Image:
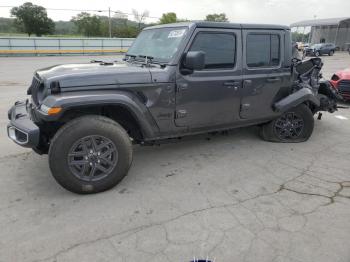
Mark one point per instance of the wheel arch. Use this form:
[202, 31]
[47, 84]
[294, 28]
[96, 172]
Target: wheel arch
[302, 96]
[124, 108]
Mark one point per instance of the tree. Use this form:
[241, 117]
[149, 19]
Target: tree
[140, 17]
[168, 18]
[300, 37]
[126, 31]
[7, 25]
[32, 19]
[216, 17]
[88, 25]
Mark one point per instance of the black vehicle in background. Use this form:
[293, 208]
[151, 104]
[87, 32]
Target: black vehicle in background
[320, 49]
[175, 80]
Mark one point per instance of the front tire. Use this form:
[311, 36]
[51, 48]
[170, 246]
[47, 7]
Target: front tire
[317, 53]
[294, 126]
[90, 154]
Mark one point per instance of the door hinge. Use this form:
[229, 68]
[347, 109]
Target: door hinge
[181, 113]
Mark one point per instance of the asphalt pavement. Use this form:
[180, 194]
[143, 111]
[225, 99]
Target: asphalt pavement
[230, 197]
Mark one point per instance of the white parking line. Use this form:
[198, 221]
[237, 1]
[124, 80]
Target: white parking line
[341, 117]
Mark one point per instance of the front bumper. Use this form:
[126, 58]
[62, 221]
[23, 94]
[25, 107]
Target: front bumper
[309, 52]
[344, 89]
[21, 129]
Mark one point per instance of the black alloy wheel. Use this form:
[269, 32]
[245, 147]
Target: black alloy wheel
[92, 158]
[289, 126]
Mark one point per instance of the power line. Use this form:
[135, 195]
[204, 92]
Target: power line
[86, 10]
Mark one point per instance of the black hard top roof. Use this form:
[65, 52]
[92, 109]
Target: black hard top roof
[205, 24]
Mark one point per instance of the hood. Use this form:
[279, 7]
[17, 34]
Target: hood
[344, 74]
[310, 48]
[95, 74]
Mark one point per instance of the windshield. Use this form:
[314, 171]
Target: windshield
[161, 44]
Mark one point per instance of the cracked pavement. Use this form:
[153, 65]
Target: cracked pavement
[231, 197]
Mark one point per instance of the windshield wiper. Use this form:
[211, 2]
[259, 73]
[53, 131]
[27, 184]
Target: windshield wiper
[128, 57]
[150, 60]
[147, 59]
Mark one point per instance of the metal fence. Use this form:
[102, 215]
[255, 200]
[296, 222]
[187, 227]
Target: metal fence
[10, 46]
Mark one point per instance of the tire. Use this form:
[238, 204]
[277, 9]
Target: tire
[273, 132]
[331, 53]
[317, 53]
[100, 144]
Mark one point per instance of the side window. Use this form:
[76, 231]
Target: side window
[219, 49]
[263, 50]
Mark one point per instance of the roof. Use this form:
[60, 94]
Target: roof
[222, 25]
[320, 22]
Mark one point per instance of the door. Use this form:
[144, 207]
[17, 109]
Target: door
[324, 49]
[263, 73]
[209, 97]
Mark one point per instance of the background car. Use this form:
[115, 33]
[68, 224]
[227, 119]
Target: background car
[320, 49]
[341, 82]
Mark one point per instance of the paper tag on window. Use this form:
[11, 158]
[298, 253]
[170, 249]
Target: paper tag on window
[176, 33]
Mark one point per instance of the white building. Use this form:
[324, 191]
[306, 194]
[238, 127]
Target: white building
[331, 30]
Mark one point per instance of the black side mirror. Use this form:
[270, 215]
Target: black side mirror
[195, 60]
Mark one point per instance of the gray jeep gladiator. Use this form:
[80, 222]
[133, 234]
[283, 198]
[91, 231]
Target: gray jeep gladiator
[175, 80]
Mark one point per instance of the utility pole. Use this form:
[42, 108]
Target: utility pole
[109, 22]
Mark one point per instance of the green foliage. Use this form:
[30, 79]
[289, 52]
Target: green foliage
[126, 31]
[88, 25]
[65, 28]
[216, 17]
[99, 26]
[7, 25]
[83, 24]
[300, 37]
[168, 18]
[32, 19]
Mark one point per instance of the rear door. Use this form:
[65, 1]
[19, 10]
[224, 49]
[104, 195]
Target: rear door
[324, 49]
[210, 97]
[263, 72]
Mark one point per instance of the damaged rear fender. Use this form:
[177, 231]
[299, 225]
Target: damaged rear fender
[301, 96]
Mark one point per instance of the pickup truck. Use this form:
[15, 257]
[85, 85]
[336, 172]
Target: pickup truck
[175, 80]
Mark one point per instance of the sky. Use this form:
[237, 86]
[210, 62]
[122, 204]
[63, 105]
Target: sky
[241, 11]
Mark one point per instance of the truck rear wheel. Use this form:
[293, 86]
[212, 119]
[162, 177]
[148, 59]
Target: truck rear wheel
[295, 125]
[90, 154]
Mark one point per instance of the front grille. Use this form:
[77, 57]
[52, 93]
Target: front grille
[35, 88]
[344, 88]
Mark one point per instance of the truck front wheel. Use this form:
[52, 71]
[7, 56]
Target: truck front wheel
[295, 125]
[90, 154]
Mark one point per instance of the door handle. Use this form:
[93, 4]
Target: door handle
[233, 83]
[247, 82]
[273, 80]
[182, 87]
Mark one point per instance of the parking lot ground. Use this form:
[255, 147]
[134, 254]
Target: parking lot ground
[231, 197]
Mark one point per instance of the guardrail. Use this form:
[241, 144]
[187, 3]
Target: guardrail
[10, 46]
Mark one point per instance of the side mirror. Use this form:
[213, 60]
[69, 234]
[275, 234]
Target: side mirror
[195, 60]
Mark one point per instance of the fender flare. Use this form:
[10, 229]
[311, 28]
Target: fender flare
[295, 99]
[72, 100]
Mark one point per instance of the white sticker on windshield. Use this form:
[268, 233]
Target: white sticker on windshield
[176, 33]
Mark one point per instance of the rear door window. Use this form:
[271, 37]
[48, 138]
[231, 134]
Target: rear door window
[263, 50]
